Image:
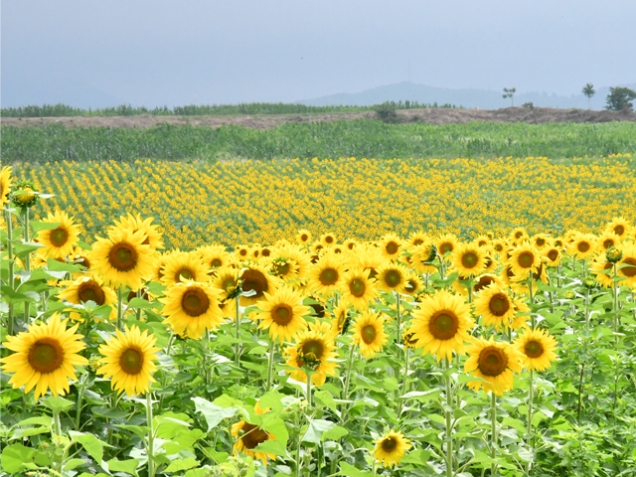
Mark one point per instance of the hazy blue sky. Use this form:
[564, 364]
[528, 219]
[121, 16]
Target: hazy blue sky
[155, 52]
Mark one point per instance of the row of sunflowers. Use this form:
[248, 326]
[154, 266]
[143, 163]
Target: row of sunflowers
[310, 356]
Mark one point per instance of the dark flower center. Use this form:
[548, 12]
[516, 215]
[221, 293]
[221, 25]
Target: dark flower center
[91, 291]
[46, 355]
[195, 302]
[533, 349]
[59, 236]
[123, 257]
[443, 325]
[499, 304]
[282, 314]
[492, 361]
[131, 361]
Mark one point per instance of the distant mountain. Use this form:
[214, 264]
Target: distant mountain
[24, 91]
[468, 98]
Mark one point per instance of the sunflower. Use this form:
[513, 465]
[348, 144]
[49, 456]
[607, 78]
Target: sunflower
[392, 277]
[326, 275]
[536, 348]
[25, 194]
[183, 266]
[5, 185]
[441, 323]
[500, 246]
[45, 357]
[390, 246]
[519, 235]
[620, 227]
[490, 263]
[418, 238]
[608, 240]
[328, 240]
[242, 252]
[358, 289]
[495, 307]
[214, 256]
[283, 314]
[79, 256]
[467, 260]
[192, 307]
[314, 350]
[493, 362]
[421, 257]
[303, 237]
[627, 266]
[391, 448]
[485, 280]
[340, 318]
[552, 255]
[248, 437]
[255, 278]
[226, 280]
[351, 244]
[408, 338]
[369, 258]
[413, 284]
[128, 359]
[583, 246]
[539, 241]
[482, 241]
[368, 332]
[60, 241]
[85, 289]
[446, 244]
[135, 223]
[600, 265]
[523, 261]
[122, 259]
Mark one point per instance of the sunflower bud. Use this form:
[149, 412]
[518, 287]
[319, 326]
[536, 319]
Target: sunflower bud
[589, 282]
[25, 194]
[613, 255]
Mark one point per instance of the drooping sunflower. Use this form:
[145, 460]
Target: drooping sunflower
[192, 307]
[493, 362]
[88, 288]
[214, 256]
[391, 246]
[135, 223]
[358, 289]
[619, 226]
[467, 259]
[340, 318]
[60, 241]
[536, 348]
[446, 244]
[441, 323]
[226, 280]
[369, 334]
[313, 350]
[122, 259]
[627, 266]
[45, 357]
[283, 314]
[325, 276]
[183, 266]
[392, 277]
[129, 360]
[391, 448]
[248, 437]
[255, 278]
[303, 237]
[495, 306]
[523, 261]
[6, 179]
[583, 246]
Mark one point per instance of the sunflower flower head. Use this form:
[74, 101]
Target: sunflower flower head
[537, 349]
[495, 363]
[369, 334]
[391, 448]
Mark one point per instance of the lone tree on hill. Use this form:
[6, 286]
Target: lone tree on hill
[509, 93]
[589, 91]
[620, 98]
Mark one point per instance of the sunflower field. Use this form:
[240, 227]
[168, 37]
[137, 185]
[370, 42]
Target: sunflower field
[219, 338]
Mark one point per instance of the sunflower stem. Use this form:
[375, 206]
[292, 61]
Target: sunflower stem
[27, 260]
[530, 410]
[151, 435]
[9, 222]
[237, 348]
[206, 366]
[616, 291]
[345, 393]
[449, 419]
[405, 378]
[399, 319]
[120, 307]
[80, 396]
[270, 366]
[494, 439]
[533, 317]
[309, 389]
[163, 376]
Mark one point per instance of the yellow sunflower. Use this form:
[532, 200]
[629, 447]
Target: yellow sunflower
[608, 240]
[552, 255]
[79, 256]
[226, 281]
[313, 350]
[493, 362]
[583, 246]
[135, 223]
[6, 179]
[519, 235]
[467, 259]
[85, 289]
[183, 266]
[328, 240]
[500, 246]
[242, 252]
[122, 259]
[495, 307]
[537, 349]
[418, 238]
[129, 360]
[248, 437]
[627, 266]
[392, 277]
[60, 241]
[192, 307]
[351, 244]
[484, 281]
[540, 241]
[214, 256]
[600, 265]
[441, 323]
[619, 226]
[326, 275]
[369, 334]
[446, 244]
[421, 257]
[340, 318]
[283, 314]
[45, 357]
[369, 258]
[303, 237]
[255, 278]
[523, 261]
[482, 241]
[413, 284]
[358, 289]
[391, 246]
[391, 448]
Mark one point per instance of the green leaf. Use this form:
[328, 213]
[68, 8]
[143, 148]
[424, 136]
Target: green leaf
[141, 431]
[46, 421]
[316, 429]
[90, 443]
[58, 404]
[36, 226]
[419, 456]
[212, 413]
[335, 433]
[271, 447]
[325, 398]
[139, 303]
[128, 466]
[56, 266]
[17, 457]
[182, 464]
[74, 463]
[350, 471]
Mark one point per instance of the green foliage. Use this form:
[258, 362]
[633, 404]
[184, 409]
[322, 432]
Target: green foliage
[387, 113]
[620, 98]
[359, 138]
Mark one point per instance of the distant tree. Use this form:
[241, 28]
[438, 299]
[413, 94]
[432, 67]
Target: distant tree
[509, 93]
[589, 91]
[386, 112]
[620, 98]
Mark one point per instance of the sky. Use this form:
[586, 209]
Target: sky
[167, 52]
